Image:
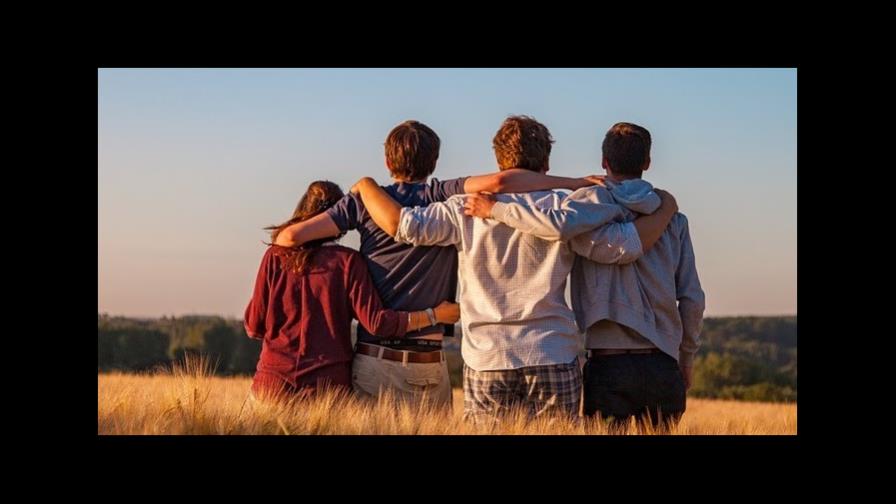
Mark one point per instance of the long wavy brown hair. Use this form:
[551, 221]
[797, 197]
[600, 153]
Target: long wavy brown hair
[321, 195]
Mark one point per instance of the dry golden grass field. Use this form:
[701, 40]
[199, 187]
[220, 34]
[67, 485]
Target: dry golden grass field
[191, 401]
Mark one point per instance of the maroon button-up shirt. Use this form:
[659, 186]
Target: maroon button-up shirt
[305, 319]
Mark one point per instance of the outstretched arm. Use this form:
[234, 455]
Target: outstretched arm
[431, 225]
[384, 322]
[651, 227]
[592, 228]
[626, 243]
[521, 180]
[575, 215]
[382, 208]
[318, 227]
[436, 224]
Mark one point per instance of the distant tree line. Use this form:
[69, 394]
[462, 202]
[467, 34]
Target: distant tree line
[747, 358]
[744, 358]
[127, 344]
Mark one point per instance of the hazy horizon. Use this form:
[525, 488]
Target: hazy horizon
[192, 164]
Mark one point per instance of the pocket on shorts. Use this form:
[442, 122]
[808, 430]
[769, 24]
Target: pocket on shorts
[423, 382]
[429, 376]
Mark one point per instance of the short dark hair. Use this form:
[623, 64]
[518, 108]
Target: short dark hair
[412, 149]
[522, 142]
[627, 148]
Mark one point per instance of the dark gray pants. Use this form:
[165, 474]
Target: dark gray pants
[648, 387]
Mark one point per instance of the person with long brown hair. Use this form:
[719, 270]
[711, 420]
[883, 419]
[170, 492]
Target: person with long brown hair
[304, 300]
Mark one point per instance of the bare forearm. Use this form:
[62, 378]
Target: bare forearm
[384, 210]
[417, 320]
[651, 227]
[573, 218]
[520, 180]
[316, 228]
[445, 313]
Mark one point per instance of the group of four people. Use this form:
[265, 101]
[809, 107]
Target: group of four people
[508, 240]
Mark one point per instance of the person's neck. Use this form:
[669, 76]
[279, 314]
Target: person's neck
[621, 178]
[404, 181]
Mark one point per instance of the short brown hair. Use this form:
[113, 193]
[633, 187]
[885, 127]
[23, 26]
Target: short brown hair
[627, 148]
[412, 149]
[522, 142]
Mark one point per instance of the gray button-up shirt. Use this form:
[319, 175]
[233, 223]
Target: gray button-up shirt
[511, 284]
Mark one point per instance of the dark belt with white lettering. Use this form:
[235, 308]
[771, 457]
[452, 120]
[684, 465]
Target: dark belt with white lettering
[600, 352]
[408, 342]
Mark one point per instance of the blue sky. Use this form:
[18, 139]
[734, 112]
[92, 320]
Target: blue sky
[194, 162]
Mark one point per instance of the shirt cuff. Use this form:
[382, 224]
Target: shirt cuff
[338, 219]
[404, 223]
[499, 210]
[632, 246]
[404, 319]
[252, 334]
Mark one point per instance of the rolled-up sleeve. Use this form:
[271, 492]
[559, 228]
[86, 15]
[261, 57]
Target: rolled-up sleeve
[435, 224]
[616, 243]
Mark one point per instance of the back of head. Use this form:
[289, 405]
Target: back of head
[626, 149]
[320, 196]
[522, 142]
[412, 149]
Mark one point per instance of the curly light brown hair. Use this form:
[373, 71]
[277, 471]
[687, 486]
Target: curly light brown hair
[522, 142]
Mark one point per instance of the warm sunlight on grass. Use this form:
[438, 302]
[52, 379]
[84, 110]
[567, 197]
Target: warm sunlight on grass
[190, 400]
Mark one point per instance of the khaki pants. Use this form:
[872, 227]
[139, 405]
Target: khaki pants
[413, 382]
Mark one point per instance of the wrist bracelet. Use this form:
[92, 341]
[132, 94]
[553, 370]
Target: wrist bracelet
[432, 316]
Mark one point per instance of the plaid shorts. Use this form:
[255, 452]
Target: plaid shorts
[554, 389]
